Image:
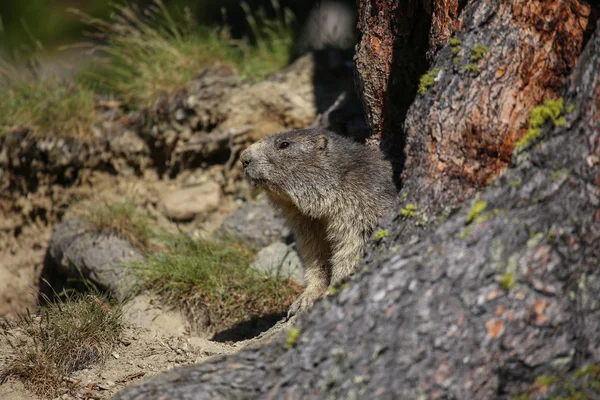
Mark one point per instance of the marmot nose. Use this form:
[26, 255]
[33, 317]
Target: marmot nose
[245, 159]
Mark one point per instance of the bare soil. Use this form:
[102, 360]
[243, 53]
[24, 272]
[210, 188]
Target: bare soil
[156, 338]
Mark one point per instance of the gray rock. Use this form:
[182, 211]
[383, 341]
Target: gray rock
[77, 250]
[257, 223]
[185, 204]
[279, 260]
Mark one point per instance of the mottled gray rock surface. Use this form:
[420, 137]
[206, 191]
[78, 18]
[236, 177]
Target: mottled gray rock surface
[257, 222]
[77, 250]
[502, 298]
[280, 260]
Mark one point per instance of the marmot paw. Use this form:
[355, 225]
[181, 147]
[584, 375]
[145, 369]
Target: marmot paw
[303, 303]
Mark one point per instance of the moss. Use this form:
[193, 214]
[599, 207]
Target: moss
[408, 211]
[381, 233]
[471, 68]
[516, 182]
[292, 336]
[332, 290]
[455, 50]
[456, 60]
[551, 235]
[466, 232]
[445, 214]
[522, 396]
[507, 281]
[546, 380]
[556, 174]
[345, 286]
[570, 108]
[476, 209]
[550, 110]
[404, 195]
[590, 369]
[595, 384]
[477, 52]
[427, 80]
[454, 42]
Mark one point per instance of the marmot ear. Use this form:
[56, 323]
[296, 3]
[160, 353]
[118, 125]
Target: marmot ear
[321, 142]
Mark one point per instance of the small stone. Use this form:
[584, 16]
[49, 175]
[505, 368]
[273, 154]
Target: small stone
[279, 260]
[115, 355]
[185, 204]
[179, 115]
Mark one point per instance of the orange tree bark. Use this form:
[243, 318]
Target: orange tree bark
[462, 133]
[500, 300]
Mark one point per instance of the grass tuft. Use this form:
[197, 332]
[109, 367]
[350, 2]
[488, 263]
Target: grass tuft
[217, 276]
[44, 104]
[63, 337]
[120, 218]
[153, 52]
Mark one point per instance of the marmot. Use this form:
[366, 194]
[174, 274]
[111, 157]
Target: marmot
[331, 190]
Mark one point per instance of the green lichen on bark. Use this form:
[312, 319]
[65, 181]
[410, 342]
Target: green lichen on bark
[408, 211]
[507, 281]
[478, 51]
[471, 68]
[476, 209]
[292, 337]
[380, 234]
[550, 110]
[427, 80]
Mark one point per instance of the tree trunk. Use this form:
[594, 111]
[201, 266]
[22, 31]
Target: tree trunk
[501, 298]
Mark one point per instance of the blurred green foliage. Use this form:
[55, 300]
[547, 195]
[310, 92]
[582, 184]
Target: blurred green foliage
[34, 25]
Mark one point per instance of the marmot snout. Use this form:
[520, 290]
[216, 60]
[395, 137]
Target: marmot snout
[331, 190]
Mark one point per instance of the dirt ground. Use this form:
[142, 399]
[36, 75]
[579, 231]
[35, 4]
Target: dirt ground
[155, 339]
[141, 353]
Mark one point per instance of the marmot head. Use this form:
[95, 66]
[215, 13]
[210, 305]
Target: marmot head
[287, 161]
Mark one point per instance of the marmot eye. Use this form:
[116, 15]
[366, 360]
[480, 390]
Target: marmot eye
[284, 145]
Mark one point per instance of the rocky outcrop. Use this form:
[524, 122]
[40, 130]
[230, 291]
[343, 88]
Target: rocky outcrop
[500, 300]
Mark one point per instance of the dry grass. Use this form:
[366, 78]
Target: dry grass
[145, 54]
[63, 337]
[149, 53]
[217, 276]
[44, 105]
[121, 218]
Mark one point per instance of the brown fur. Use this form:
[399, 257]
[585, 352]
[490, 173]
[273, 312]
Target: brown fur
[331, 190]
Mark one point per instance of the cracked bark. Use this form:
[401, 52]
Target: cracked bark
[485, 304]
